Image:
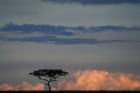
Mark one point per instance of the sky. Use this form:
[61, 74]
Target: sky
[100, 38]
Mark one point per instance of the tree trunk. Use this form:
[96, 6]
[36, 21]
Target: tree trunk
[49, 86]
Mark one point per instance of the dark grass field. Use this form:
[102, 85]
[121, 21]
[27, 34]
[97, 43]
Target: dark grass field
[70, 91]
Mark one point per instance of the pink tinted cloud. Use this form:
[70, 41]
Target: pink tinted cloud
[85, 80]
[100, 80]
[24, 86]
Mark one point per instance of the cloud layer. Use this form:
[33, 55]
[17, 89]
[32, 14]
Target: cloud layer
[88, 79]
[95, 2]
[65, 35]
[24, 86]
[114, 48]
[107, 12]
[100, 80]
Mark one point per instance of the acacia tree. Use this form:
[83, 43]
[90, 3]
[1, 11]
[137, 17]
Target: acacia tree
[49, 75]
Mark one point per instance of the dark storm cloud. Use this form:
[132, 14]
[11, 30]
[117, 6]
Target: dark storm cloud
[95, 2]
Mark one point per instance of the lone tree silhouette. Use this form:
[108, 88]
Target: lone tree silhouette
[49, 75]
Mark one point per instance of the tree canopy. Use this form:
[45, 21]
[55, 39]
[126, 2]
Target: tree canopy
[49, 75]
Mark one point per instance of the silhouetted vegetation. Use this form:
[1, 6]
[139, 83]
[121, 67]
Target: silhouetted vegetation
[49, 75]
